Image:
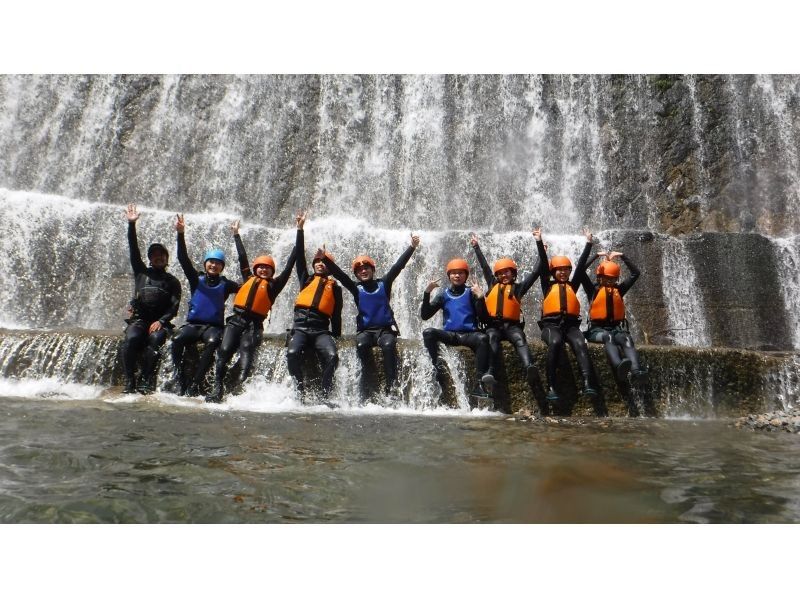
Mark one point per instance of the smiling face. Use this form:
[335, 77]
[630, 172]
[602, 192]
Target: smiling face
[263, 271]
[457, 277]
[506, 275]
[214, 267]
[364, 272]
[562, 274]
[320, 269]
[158, 259]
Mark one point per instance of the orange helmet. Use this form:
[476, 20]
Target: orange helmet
[503, 263]
[363, 260]
[264, 260]
[560, 261]
[608, 268]
[457, 264]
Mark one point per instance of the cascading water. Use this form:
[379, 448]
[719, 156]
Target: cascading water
[375, 158]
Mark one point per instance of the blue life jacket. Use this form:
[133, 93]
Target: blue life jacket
[207, 304]
[373, 308]
[459, 314]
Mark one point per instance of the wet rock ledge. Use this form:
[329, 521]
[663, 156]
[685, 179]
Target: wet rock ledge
[775, 421]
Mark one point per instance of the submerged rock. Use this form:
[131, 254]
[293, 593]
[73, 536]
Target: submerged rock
[784, 420]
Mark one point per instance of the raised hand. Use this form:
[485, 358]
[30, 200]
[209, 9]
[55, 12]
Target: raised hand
[602, 253]
[180, 223]
[300, 219]
[537, 233]
[414, 240]
[432, 285]
[588, 234]
[473, 239]
[615, 254]
[476, 288]
[235, 227]
[132, 213]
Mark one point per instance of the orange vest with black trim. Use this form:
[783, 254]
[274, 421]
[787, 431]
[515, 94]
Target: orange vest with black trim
[253, 296]
[502, 303]
[607, 305]
[318, 294]
[561, 300]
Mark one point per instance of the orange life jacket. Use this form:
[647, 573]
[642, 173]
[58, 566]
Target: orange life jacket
[318, 294]
[502, 303]
[253, 296]
[561, 300]
[607, 305]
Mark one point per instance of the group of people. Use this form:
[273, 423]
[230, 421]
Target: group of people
[472, 317]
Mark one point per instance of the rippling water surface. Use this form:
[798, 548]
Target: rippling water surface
[156, 460]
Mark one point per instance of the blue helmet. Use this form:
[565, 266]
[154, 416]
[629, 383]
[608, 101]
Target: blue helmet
[214, 254]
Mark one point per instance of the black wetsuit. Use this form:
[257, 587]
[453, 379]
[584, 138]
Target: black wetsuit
[157, 296]
[475, 339]
[499, 329]
[613, 335]
[367, 336]
[244, 328]
[198, 328]
[311, 328]
[557, 328]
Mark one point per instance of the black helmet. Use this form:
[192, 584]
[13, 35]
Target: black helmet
[156, 247]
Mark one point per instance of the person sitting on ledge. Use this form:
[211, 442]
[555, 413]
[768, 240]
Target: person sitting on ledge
[156, 299]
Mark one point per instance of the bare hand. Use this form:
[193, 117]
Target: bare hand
[602, 253]
[432, 285]
[132, 213]
[414, 240]
[473, 239]
[537, 233]
[235, 227]
[588, 234]
[477, 290]
[155, 327]
[180, 223]
[615, 254]
[300, 219]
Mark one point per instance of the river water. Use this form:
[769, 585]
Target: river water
[110, 458]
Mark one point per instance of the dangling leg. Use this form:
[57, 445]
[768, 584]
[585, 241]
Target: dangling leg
[624, 340]
[554, 339]
[251, 340]
[329, 359]
[187, 335]
[578, 343]
[135, 339]
[387, 341]
[516, 335]
[152, 356]
[212, 338]
[294, 355]
[230, 342]
[365, 340]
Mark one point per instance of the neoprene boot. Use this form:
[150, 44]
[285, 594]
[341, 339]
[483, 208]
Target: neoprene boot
[130, 386]
[215, 396]
[488, 383]
[622, 370]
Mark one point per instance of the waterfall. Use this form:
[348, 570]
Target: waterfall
[787, 252]
[687, 324]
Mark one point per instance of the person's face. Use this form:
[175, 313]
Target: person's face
[364, 272]
[158, 259]
[214, 267]
[457, 277]
[263, 271]
[506, 276]
[607, 281]
[320, 268]
[562, 274]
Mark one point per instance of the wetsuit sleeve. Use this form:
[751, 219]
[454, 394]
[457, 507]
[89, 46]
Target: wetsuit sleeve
[336, 317]
[634, 276]
[133, 245]
[588, 288]
[300, 258]
[580, 268]
[277, 284]
[231, 287]
[544, 272]
[527, 282]
[395, 270]
[429, 308]
[487, 270]
[244, 262]
[175, 302]
[480, 308]
[186, 263]
[340, 275]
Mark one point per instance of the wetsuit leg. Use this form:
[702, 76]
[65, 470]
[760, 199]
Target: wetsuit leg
[479, 343]
[624, 340]
[132, 345]
[294, 355]
[230, 342]
[553, 337]
[612, 352]
[187, 335]
[251, 340]
[516, 336]
[495, 335]
[387, 341]
[431, 337]
[152, 355]
[212, 338]
[329, 359]
[578, 343]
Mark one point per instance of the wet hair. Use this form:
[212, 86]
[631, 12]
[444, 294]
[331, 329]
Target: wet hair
[156, 247]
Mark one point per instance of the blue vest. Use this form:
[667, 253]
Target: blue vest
[207, 304]
[459, 314]
[373, 308]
